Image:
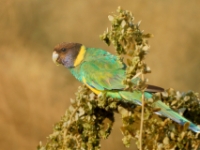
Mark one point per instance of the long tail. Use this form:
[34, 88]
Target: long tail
[166, 111]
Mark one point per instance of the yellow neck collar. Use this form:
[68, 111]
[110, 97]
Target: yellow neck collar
[80, 56]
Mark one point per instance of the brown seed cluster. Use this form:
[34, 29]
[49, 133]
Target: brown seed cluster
[90, 118]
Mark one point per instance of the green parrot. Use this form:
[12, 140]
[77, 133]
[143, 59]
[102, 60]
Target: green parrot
[103, 72]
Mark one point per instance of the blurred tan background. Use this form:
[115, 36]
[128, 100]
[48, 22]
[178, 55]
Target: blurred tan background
[34, 93]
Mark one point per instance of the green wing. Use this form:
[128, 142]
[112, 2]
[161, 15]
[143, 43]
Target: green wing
[102, 70]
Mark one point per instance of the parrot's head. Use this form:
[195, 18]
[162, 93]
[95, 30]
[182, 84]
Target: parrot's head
[68, 54]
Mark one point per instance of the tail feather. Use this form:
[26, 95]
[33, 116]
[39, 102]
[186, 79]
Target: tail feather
[166, 111]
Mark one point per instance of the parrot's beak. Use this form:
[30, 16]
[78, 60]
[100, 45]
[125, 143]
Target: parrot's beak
[55, 57]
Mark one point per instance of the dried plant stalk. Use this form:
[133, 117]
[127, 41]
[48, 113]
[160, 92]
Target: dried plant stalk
[90, 117]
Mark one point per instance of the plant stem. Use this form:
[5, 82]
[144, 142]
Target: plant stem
[142, 115]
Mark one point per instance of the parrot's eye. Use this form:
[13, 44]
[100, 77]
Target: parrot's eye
[63, 49]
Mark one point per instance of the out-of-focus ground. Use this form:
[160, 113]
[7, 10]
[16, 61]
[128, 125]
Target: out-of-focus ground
[34, 93]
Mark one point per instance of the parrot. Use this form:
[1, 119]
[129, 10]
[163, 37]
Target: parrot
[102, 71]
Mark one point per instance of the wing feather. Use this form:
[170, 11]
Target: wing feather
[104, 71]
